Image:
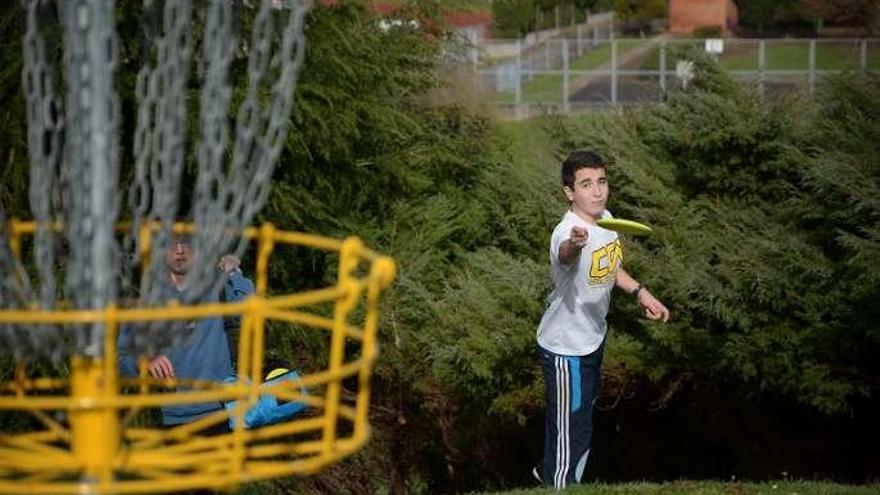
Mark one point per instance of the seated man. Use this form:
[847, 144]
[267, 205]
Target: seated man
[203, 354]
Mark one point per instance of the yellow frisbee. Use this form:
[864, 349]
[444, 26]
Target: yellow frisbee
[624, 226]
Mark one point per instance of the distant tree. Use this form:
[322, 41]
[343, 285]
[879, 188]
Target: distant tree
[593, 5]
[857, 13]
[602, 5]
[513, 18]
[640, 10]
[761, 14]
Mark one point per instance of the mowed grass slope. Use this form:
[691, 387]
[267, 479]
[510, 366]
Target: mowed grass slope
[709, 488]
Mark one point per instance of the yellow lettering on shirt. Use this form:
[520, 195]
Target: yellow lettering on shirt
[605, 262]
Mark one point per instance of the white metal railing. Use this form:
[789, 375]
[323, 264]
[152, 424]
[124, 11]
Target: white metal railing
[586, 71]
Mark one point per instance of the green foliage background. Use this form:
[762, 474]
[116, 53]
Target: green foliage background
[766, 248]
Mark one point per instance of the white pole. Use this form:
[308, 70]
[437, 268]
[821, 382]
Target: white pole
[565, 75]
[580, 45]
[614, 71]
[547, 55]
[611, 27]
[517, 91]
[863, 55]
[663, 67]
[812, 62]
[762, 57]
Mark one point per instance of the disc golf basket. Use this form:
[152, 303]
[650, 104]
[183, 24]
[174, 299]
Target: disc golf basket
[77, 273]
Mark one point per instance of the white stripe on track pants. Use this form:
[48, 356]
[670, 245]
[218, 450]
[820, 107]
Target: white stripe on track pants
[570, 384]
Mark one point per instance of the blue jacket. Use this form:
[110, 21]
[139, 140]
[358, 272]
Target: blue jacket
[203, 356]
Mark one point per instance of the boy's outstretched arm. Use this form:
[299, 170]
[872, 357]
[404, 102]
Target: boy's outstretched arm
[654, 309]
[571, 247]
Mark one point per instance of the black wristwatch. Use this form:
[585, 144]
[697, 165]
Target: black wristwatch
[636, 291]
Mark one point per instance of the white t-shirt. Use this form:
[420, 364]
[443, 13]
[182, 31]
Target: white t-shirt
[574, 322]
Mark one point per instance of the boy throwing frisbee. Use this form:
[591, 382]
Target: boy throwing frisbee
[586, 264]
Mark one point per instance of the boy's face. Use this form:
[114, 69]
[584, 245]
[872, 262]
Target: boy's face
[589, 193]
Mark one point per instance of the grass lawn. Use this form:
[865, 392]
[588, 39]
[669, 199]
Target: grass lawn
[709, 488]
[547, 88]
[790, 56]
[784, 55]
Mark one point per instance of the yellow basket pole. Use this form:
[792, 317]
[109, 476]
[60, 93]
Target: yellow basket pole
[257, 309]
[95, 430]
[15, 238]
[267, 245]
[348, 260]
[145, 243]
[16, 228]
[20, 378]
[381, 276]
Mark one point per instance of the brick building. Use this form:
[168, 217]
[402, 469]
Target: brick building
[687, 15]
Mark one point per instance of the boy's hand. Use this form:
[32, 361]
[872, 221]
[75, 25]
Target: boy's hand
[578, 236]
[654, 309]
[571, 248]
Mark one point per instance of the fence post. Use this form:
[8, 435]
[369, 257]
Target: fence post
[531, 60]
[475, 52]
[580, 46]
[565, 75]
[595, 29]
[663, 67]
[614, 71]
[863, 55]
[556, 13]
[812, 66]
[547, 54]
[611, 26]
[761, 63]
[517, 89]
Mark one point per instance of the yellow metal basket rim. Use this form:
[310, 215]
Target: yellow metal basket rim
[251, 451]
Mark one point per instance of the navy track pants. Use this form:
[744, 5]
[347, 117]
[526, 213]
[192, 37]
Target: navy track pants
[571, 384]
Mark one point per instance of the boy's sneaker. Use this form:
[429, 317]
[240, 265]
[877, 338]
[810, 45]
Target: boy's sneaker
[536, 473]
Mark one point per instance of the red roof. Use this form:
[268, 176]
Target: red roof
[457, 19]
[463, 18]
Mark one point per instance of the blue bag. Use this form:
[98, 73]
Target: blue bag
[268, 410]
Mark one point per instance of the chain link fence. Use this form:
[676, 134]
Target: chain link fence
[579, 73]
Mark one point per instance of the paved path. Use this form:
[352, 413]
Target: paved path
[631, 59]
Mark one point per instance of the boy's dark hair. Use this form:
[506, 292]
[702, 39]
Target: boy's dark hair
[577, 160]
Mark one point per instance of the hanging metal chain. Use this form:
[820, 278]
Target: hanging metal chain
[15, 293]
[45, 126]
[91, 160]
[75, 155]
[228, 195]
[160, 150]
[44, 146]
